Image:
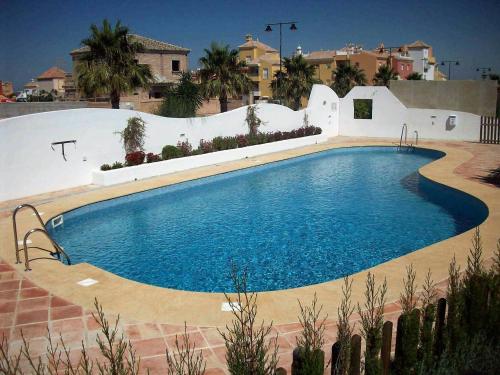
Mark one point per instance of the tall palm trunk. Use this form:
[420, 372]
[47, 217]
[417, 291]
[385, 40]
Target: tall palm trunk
[223, 103]
[115, 99]
[296, 104]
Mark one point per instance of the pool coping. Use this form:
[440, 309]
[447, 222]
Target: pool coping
[143, 302]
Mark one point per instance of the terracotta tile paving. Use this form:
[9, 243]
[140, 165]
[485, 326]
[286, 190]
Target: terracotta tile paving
[25, 308]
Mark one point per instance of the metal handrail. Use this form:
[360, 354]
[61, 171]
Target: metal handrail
[14, 224]
[58, 248]
[405, 130]
[416, 137]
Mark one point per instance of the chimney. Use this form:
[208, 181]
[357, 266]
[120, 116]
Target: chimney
[248, 38]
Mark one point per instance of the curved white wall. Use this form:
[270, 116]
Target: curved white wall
[29, 166]
[389, 114]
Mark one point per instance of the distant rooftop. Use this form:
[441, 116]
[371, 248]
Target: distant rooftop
[148, 43]
[320, 55]
[53, 73]
[418, 44]
[250, 43]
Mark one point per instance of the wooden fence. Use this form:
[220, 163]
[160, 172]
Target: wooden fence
[490, 130]
[355, 368]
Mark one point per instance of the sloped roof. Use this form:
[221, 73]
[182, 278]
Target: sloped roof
[418, 44]
[148, 43]
[321, 55]
[256, 44]
[52, 73]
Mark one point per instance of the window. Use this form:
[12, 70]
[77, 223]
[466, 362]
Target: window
[363, 108]
[176, 66]
[265, 73]
[248, 58]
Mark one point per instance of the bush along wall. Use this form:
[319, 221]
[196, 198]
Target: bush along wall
[184, 148]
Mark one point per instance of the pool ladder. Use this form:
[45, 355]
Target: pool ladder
[58, 250]
[405, 145]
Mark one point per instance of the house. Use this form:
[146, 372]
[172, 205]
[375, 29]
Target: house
[423, 60]
[263, 62]
[324, 62]
[6, 88]
[52, 80]
[167, 62]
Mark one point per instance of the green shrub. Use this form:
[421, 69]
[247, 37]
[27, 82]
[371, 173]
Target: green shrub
[170, 152]
[105, 167]
[117, 165]
[133, 135]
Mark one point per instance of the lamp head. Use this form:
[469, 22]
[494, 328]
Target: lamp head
[457, 63]
[293, 27]
[268, 28]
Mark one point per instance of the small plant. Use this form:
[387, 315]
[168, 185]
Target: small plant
[105, 167]
[428, 298]
[241, 140]
[206, 146]
[344, 328]
[170, 152]
[408, 327]
[135, 158]
[253, 121]
[311, 358]
[305, 120]
[117, 165]
[152, 158]
[185, 148]
[133, 135]
[372, 322]
[185, 360]
[248, 351]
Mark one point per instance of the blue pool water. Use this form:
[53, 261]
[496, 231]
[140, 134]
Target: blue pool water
[293, 223]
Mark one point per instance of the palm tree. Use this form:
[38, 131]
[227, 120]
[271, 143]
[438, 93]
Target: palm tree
[223, 74]
[415, 76]
[109, 64]
[384, 75]
[295, 82]
[183, 99]
[345, 77]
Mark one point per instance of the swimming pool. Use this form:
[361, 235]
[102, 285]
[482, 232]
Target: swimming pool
[292, 223]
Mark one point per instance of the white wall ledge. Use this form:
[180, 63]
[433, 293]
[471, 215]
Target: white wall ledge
[139, 172]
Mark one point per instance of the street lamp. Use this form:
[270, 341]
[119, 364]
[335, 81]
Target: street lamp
[483, 72]
[293, 27]
[382, 49]
[449, 62]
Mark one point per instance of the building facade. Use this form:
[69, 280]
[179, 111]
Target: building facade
[6, 88]
[423, 59]
[263, 62]
[167, 61]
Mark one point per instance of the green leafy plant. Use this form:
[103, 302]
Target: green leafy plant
[117, 165]
[133, 135]
[182, 99]
[248, 352]
[345, 77]
[170, 152]
[344, 328]
[105, 167]
[310, 342]
[185, 359]
[252, 120]
[372, 322]
[428, 298]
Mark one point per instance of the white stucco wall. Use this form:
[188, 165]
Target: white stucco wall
[389, 115]
[29, 166]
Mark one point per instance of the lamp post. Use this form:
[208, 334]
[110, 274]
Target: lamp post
[449, 62]
[293, 27]
[382, 49]
[483, 72]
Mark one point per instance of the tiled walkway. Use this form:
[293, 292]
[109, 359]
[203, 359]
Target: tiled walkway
[24, 307]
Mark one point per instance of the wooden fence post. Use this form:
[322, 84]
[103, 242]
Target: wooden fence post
[335, 358]
[439, 328]
[386, 347]
[355, 363]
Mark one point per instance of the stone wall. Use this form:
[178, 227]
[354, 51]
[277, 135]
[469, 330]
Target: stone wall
[20, 109]
[478, 97]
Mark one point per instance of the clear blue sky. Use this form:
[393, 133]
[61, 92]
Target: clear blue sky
[36, 35]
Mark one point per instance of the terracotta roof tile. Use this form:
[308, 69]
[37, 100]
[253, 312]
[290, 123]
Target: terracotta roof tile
[418, 44]
[52, 73]
[257, 44]
[321, 55]
[148, 43]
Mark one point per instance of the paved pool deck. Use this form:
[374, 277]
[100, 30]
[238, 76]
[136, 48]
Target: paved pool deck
[48, 296]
